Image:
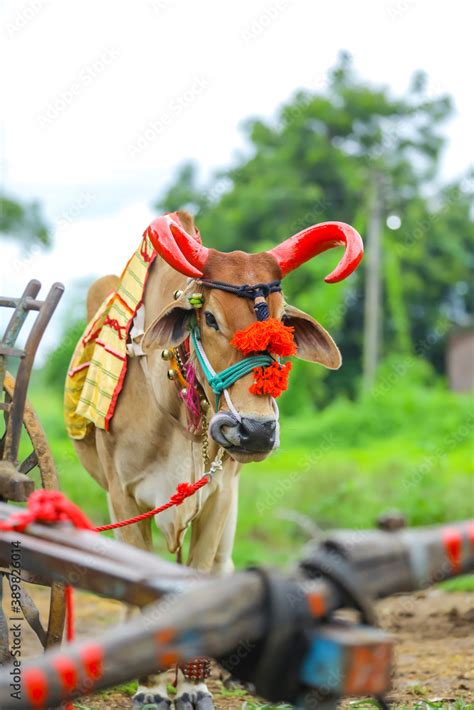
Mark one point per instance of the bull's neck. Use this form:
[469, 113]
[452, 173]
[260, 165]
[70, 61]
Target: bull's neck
[163, 282]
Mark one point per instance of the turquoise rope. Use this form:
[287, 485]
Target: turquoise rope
[222, 380]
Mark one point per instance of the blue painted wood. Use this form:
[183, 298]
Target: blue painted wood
[323, 665]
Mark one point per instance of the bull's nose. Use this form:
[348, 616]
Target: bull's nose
[252, 434]
[257, 434]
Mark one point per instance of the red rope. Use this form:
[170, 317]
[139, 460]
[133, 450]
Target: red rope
[69, 597]
[53, 507]
[183, 491]
[47, 507]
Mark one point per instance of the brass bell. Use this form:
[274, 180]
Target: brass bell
[184, 392]
[166, 354]
[177, 294]
[204, 404]
[171, 374]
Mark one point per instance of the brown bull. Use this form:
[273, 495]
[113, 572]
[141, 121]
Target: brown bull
[149, 449]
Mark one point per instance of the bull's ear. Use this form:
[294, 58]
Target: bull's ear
[170, 328]
[312, 341]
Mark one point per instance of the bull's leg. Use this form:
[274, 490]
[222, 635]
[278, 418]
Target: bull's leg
[192, 693]
[154, 697]
[122, 507]
[152, 692]
[212, 525]
[223, 563]
[212, 537]
[138, 534]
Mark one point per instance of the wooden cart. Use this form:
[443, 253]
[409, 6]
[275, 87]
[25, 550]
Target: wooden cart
[23, 444]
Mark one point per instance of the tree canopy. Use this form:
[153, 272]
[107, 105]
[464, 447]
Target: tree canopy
[23, 221]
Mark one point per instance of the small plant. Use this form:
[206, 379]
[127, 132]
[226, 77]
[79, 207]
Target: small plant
[234, 693]
[255, 705]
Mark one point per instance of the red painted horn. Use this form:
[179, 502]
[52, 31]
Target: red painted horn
[183, 252]
[312, 241]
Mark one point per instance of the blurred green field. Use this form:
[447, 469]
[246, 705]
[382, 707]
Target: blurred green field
[407, 446]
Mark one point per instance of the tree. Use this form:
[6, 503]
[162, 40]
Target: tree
[314, 162]
[23, 221]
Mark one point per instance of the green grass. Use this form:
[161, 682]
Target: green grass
[418, 705]
[459, 584]
[410, 449]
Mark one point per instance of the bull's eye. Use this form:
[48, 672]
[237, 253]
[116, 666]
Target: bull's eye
[210, 320]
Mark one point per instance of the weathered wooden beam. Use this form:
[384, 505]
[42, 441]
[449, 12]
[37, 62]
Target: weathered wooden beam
[6, 351]
[403, 560]
[179, 628]
[45, 312]
[13, 484]
[5, 656]
[228, 617]
[385, 562]
[91, 561]
[29, 609]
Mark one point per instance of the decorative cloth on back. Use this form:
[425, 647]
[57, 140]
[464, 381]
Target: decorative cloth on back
[99, 364]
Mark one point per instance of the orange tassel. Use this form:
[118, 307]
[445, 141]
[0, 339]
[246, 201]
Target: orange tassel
[271, 380]
[270, 335]
[273, 337]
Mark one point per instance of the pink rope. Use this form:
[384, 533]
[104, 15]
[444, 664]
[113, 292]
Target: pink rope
[191, 397]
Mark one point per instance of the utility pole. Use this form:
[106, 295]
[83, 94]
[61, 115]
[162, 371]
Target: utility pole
[373, 290]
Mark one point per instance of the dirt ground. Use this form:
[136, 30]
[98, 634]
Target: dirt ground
[434, 649]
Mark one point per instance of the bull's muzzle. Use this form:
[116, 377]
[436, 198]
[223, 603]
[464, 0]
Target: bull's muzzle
[250, 435]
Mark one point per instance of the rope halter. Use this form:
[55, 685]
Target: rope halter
[220, 382]
[267, 336]
[257, 293]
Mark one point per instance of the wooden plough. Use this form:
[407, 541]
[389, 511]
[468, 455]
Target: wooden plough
[276, 630]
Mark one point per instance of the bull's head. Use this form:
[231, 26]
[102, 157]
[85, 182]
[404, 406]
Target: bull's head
[238, 290]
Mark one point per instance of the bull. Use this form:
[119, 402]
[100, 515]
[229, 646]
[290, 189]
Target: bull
[149, 448]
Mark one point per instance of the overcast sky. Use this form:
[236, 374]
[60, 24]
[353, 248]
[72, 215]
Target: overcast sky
[103, 99]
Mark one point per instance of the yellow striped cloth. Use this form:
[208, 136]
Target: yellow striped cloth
[99, 364]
